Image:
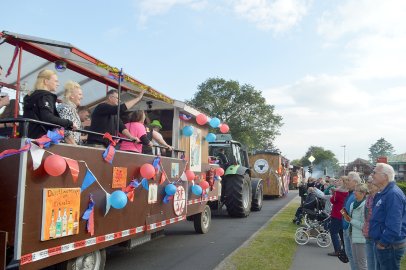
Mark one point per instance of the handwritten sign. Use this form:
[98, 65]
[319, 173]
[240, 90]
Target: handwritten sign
[60, 212]
[119, 177]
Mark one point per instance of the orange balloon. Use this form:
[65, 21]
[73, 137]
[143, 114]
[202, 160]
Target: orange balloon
[147, 171]
[55, 165]
[190, 175]
[219, 171]
[224, 128]
[201, 119]
[204, 185]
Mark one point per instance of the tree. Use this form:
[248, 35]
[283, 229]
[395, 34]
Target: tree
[252, 122]
[324, 159]
[379, 149]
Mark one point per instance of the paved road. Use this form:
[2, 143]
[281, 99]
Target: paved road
[181, 248]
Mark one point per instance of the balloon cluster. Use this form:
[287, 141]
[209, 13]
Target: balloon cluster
[202, 119]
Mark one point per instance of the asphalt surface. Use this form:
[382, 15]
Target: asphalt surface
[181, 248]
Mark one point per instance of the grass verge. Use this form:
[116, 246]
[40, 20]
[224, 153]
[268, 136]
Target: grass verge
[272, 248]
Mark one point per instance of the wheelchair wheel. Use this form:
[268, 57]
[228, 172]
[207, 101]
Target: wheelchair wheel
[323, 240]
[301, 237]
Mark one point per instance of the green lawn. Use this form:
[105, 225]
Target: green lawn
[272, 248]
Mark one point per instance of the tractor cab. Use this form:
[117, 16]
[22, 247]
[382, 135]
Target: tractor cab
[225, 152]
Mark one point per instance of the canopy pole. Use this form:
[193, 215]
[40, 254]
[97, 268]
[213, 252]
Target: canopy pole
[120, 76]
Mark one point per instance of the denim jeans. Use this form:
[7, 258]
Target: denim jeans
[335, 226]
[389, 258]
[348, 250]
[370, 252]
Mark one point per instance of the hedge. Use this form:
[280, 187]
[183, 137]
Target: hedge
[402, 186]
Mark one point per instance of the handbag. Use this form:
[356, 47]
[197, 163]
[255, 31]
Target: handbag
[342, 256]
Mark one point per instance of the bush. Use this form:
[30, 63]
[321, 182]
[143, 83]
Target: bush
[402, 186]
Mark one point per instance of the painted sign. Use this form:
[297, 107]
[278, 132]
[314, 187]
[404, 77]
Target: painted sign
[60, 212]
[179, 201]
[119, 177]
[196, 150]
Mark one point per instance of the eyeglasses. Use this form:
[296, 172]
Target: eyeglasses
[114, 97]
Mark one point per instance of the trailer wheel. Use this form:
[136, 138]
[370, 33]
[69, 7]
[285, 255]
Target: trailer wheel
[202, 221]
[257, 199]
[238, 194]
[91, 261]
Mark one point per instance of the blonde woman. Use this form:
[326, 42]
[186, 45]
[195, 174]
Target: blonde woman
[69, 110]
[40, 105]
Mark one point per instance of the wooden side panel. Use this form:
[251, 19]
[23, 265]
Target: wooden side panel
[272, 180]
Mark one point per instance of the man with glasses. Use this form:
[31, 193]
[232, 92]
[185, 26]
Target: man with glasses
[105, 119]
[387, 226]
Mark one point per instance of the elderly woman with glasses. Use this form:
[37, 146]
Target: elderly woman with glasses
[356, 218]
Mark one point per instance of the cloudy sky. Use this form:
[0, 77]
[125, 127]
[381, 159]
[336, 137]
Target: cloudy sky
[335, 70]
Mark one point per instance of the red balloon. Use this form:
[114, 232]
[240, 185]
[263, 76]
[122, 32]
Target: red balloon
[224, 128]
[190, 175]
[204, 185]
[55, 165]
[201, 119]
[147, 171]
[219, 171]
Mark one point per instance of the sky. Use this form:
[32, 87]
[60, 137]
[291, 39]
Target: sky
[334, 70]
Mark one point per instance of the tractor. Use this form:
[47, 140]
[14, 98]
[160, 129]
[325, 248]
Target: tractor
[239, 192]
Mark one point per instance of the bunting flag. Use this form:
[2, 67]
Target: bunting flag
[52, 136]
[163, 177]
[185, 117]
[115, 76]
[108, 154]
[74, 168]
[89, 179]
[10, 152]
[183, 176]
[129, 190]
[89, 216]
[157, 164]
[108, 204]
[144, 183]
[36, 154]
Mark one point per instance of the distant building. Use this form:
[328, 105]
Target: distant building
[398, 162]
[362, 166]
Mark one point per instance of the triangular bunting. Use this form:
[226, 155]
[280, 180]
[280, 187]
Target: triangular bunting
[109, 153]
[108, 204]
[89, 179]
[74, 168]
[183, 177]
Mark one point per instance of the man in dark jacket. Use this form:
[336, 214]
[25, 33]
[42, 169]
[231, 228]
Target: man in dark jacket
[105, 119]
[387, 226]
[40, 105]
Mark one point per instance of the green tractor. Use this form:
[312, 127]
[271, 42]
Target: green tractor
[239, 192]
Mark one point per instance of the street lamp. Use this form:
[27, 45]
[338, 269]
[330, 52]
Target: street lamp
[343, 146]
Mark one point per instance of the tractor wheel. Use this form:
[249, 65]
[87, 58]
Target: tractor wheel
[257, 199]
[238, 194]
[202, 221]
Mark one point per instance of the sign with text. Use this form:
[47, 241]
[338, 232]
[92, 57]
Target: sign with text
[60, 212]
[119, 177]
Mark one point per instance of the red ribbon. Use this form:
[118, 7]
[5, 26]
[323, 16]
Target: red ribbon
[108, 137]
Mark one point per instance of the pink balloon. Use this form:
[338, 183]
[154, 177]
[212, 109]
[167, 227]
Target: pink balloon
[147, 171]
[219, 171]
[204, 184]
[224, 128]
[201, 119]
[55, 165]
[190, 175]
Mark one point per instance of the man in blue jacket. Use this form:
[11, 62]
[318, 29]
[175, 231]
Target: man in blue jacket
[387, 226]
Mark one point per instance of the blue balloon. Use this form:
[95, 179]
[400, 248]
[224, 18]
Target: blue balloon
[211, 137]
[197, 190]
[214, 122]
[187, 131]
[118, 199]
[170, 189]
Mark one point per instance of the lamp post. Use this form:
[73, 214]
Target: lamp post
[343, 146]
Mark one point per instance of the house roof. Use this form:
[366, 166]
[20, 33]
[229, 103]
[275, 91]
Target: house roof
[397, 158]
